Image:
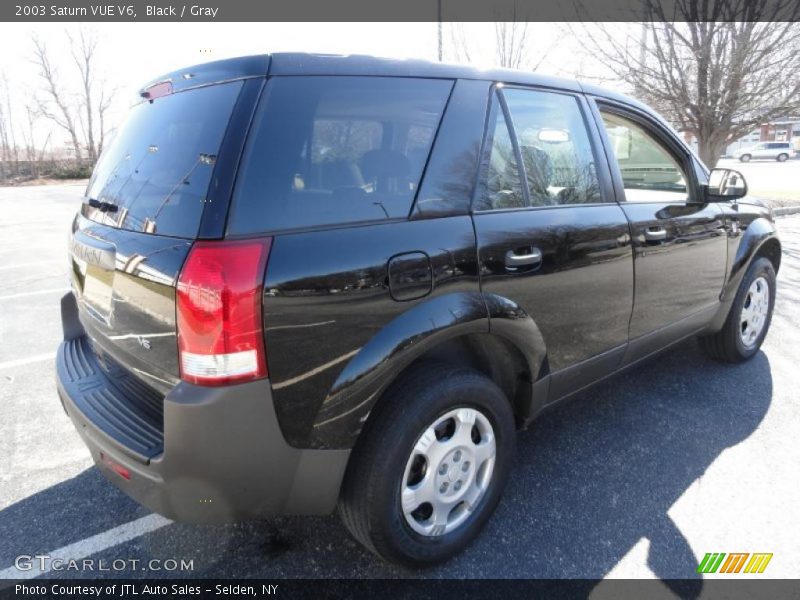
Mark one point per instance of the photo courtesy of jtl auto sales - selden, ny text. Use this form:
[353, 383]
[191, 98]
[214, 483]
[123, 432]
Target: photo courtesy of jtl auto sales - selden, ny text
[368, 299]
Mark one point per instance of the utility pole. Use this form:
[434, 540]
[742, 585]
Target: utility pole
[642, 54]
[643, 45]
[439, 26]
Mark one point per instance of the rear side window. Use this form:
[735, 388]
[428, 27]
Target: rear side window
[554, 144]
[502, 187]
[332, 150]
[155, 175]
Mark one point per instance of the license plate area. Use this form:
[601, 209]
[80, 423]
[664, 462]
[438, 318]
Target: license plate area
[93, 266]
[97, 292]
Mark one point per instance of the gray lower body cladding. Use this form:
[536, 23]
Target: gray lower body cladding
[221, 456]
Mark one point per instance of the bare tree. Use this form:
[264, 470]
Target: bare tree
[94, 98]
[715, 68]
[55, 106]
[5, 149]
[9, 153]
[33, 154]
[103, 105]
[511, 40]
[512, 47]
[459, 45]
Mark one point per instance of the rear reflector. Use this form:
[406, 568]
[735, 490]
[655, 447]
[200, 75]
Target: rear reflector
[115, 466]
[220, 331]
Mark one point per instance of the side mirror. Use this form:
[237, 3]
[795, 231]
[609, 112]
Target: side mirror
[725, 184]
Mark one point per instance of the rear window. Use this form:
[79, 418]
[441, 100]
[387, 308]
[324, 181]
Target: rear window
[330, 150]
[156, 174]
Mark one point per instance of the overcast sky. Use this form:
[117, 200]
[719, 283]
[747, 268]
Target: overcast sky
[133, 53]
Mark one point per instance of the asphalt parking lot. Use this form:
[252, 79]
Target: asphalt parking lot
[638, 478]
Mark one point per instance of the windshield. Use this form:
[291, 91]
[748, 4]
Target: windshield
[156, 174]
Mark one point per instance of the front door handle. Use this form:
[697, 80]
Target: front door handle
[655, 234]
[532, 257]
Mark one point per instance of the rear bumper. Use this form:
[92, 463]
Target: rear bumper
[223, 457]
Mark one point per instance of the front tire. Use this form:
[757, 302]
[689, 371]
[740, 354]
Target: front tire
[749, 318]
[745, 158]
[782, 157]
[430, 465]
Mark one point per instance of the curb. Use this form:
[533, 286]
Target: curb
[782, 211]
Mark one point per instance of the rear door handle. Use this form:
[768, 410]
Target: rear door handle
[531, 258]
[655, 234]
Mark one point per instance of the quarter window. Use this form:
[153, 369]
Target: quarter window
[649, 171]
[332, 150]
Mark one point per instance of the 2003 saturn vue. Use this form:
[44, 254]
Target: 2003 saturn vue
[306, 282]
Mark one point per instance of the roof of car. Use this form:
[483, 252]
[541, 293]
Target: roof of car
[296, 63]
[331, 64]
[293, 63]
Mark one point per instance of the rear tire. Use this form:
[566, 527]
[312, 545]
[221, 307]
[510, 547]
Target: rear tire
[745, 158]
[416, 494]
[749, 318]
[782, 157]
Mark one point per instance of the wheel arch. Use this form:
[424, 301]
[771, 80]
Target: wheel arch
[483, 331]
[770, 249]
[760, 239]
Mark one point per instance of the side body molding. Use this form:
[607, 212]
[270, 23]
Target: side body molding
[408, 336]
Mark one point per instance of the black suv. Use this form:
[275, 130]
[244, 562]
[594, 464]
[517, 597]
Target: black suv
[306, 282]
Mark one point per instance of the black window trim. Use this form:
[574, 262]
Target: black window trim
[662, 134]
[431, 149]
[603, 170]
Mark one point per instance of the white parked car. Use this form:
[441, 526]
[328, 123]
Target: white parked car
[779, 151]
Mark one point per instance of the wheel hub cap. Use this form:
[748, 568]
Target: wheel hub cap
[448, 472]
[754, 312]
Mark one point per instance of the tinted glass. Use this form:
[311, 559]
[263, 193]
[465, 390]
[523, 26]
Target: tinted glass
[501, 187]
[331, 150]
[157, 171]
[649, 171]
[555, 147]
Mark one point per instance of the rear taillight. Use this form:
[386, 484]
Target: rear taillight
[220, 331]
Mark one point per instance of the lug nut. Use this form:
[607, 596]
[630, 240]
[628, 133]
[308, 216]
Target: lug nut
[465, 466]
[457, 486]
[443, 469]
[457, 456]
[443, 489]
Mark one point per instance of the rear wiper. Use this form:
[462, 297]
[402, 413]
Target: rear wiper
[103, 206]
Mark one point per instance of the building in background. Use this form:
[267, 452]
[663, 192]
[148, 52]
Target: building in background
[783, 129]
